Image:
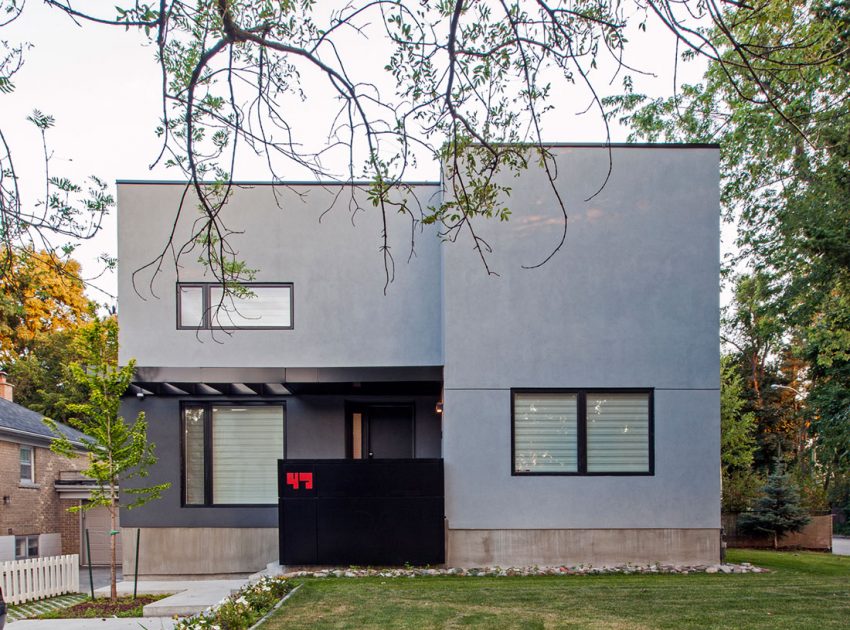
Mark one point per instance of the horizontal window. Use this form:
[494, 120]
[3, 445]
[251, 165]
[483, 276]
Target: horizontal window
[582, 432]
[205, 305]
[230, 454]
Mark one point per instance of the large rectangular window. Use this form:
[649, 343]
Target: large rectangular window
[230, 453]
[263, 306]
[582, 432]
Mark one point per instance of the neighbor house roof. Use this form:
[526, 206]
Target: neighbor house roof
[21, 422]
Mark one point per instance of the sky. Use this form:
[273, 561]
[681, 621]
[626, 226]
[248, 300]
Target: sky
[101, 84]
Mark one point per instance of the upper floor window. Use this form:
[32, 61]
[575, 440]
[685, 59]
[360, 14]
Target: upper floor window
[582, 432]
[27, 464]
[205, 305]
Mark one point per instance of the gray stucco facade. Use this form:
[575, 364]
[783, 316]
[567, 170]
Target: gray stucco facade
[629, 302]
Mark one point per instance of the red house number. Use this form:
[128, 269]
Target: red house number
[294, 479]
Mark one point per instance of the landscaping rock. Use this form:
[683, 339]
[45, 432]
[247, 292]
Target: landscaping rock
[628, 569]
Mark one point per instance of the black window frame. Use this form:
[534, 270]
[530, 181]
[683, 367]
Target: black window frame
[207, 406]
[206, 290]
[581, 430]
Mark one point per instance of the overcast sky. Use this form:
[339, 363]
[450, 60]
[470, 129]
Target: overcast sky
[102, 86]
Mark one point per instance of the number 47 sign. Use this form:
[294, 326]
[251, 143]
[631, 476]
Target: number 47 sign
[295, 479]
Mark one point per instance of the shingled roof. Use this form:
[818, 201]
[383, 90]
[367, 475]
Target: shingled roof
[19, 421]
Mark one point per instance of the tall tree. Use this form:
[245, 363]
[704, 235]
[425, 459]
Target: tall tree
[117, 450]
[737, 440]
[786, 181]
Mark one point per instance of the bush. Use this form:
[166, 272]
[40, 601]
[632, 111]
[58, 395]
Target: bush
[741, 488]
[242, 610]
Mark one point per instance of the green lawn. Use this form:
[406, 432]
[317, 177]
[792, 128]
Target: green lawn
[803, 590]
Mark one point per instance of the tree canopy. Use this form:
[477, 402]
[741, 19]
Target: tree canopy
[42, 295]
[785, 183]
[468, 82]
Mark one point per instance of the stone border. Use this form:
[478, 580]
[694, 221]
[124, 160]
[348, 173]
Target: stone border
[673, 569]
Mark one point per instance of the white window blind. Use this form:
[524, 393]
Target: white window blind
[267, 307]
[192, 307]
[193, 457]
[545, 432]
[617, 432]
[246, 444]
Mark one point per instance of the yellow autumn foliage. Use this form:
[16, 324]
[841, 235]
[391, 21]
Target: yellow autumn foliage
[40, 294]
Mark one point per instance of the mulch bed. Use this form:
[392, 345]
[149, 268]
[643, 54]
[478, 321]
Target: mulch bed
[103, 607]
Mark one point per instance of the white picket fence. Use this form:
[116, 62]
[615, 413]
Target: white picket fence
[37, 578]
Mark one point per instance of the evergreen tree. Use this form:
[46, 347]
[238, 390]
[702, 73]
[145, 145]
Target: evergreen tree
[778, 512]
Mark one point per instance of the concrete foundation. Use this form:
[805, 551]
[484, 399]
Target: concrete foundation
[599, 547]
[173, 552]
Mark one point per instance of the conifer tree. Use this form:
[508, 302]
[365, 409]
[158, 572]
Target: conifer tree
[778, 511]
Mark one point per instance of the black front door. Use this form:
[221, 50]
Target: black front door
[382, 431]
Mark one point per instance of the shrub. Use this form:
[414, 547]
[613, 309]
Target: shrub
[242, 610]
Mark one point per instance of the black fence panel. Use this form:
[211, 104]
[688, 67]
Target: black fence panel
[363, 512]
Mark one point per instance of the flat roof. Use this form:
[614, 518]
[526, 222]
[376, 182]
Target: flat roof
[240, 182]
[549, 145]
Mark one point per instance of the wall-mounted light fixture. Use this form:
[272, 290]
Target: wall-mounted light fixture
[6, 499]
[439, 408]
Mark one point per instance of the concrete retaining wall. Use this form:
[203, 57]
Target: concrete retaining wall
[175, 552]
[600, 547]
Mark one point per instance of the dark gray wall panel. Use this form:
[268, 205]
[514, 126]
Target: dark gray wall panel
[315, 428]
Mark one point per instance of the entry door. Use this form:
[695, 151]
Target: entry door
[382, 431]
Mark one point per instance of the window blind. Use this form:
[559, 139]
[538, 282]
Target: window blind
[545, 432]
[192, 307]
[267, 307]
[193, 455]
[246, 444]
[617, 432]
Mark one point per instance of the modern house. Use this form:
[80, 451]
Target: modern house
[571, 409]
[38, 486]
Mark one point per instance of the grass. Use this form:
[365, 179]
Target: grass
[30, 610]
[803, 590]
[103, 607]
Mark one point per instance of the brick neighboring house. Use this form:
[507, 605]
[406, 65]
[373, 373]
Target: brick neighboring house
[34, 517]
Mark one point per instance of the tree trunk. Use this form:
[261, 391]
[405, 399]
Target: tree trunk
[113, 587]
[775, 541]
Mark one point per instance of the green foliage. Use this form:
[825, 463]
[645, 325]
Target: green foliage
[737, 442]
[778, 511]
[785, 181]
[42, 380]
[117, 450]
[740, 489]
[241, 610]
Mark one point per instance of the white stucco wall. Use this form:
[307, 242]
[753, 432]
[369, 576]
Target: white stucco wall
[630, 301]
[305, 234]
